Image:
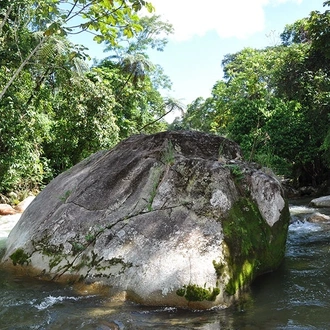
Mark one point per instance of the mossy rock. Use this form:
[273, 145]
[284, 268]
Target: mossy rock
[173, 219]
[254, 247]
[193, 292]
[19, 257]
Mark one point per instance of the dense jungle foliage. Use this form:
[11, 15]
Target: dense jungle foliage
[56, 108]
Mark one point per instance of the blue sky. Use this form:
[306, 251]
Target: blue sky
[205, 31]
[193, 62]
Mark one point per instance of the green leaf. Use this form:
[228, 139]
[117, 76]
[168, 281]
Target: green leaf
[99, 38]
[150, 7]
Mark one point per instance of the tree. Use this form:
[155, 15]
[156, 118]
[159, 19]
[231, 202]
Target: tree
[36, 103]
[275, 102]
[82, 122]
[135, 104]
[306, 78]
[298, 32]
[136, 81]
[152, 35]
[54, 109]
[268, 103]
[102, 18]
[132, 56]
[200, 115]
[170, 104]
[136, 67]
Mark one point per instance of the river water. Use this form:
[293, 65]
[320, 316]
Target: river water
[297, 296]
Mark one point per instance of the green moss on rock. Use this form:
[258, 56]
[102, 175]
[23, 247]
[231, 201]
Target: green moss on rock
[20, 257]
[54, 261]
[219, 268]
[193, 292]
[241, 274]
[254, 247]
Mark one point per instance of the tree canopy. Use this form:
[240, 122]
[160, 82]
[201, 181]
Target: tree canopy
[55, 109]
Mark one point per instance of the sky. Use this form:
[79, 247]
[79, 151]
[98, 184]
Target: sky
[205, 31]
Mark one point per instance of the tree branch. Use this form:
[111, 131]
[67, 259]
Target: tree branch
[6, 17]
[155, 121]
[17, 72]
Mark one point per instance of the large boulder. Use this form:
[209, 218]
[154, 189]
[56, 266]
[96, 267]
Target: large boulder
[175, 218]
[323, 201]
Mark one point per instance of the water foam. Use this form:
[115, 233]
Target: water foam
[7, 223]
[304, 227]
[295, 209]
[51, 300]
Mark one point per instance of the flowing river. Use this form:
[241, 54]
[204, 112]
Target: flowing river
[297, 296]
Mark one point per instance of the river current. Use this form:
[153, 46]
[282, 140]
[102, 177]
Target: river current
[296, 296]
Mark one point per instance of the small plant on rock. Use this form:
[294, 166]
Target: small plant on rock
[168, 154]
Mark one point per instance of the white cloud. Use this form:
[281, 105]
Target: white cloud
[229, 18]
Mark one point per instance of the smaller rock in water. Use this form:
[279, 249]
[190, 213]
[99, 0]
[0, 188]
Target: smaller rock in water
[21, 207]
[320, 202]
[318, 217]
[6, 209]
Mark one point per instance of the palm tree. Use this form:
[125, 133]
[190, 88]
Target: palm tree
[54, 55]
[170, 104]
[45, 54]
[136, 67]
